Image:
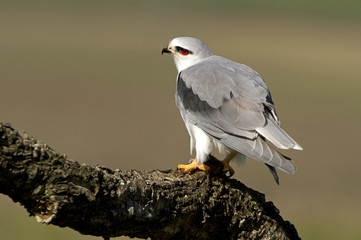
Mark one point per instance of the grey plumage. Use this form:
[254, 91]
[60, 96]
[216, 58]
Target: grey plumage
[231, 103]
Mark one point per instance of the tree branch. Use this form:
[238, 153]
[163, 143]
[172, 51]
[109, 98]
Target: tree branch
[157, 204]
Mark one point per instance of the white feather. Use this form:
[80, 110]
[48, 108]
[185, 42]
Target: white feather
[203, 143]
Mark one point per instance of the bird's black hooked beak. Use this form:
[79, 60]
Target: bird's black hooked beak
[165, 50]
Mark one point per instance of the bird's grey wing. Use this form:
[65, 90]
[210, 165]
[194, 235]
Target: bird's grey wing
[217, 79]
[214, 97]
[240, 94]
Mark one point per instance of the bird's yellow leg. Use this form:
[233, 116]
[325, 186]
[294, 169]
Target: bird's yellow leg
[225, 163]
[193, 166]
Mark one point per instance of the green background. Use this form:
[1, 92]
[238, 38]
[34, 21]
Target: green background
[87, 78]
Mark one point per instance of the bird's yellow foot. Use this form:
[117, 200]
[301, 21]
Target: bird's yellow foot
[227, 168]
[193, 166]
[225, 163]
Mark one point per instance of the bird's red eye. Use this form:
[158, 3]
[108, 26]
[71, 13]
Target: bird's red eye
[185, 52]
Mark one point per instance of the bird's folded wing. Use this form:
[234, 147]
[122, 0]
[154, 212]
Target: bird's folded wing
[231, 102]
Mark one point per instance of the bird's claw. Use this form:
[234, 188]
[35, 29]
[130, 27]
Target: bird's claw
[227, 170]
[193, 166]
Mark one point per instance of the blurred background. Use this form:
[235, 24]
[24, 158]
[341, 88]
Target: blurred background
[87, 78]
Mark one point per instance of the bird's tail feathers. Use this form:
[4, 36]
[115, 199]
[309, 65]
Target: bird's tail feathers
[276, 135]
[259, 150]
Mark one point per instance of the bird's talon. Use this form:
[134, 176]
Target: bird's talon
[226, 167]
[187, 168]
[193, 166]
[228, 173]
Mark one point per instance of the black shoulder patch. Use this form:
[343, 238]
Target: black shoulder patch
[190, 100]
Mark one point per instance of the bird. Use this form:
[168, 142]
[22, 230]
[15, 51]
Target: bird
[227, 106]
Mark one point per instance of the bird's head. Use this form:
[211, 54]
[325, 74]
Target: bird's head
[186, 51]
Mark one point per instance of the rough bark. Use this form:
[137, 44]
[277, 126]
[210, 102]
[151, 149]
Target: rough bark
[156, 204]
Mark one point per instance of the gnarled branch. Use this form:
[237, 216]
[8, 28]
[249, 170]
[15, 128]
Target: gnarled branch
[157, 204]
